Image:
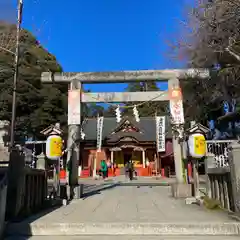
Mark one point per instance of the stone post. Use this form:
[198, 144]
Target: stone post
[209, 164]
[41, 162]
[95, 159]
[112, 157]
[234, 156]
[4, 135]
[16, 183]
[177, 152]
[143, 158]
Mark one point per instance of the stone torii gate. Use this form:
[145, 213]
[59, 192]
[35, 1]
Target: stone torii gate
[76, 96]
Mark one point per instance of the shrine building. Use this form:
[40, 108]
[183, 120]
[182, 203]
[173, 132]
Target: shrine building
[125, 140]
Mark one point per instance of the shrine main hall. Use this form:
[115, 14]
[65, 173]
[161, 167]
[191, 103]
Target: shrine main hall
[123, 141]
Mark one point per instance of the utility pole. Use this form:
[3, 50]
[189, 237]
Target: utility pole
[16, 63]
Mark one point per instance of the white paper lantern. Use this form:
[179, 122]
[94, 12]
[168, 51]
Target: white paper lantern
[54, 146]
[197, 145]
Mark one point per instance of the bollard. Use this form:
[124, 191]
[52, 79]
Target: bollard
[78, 191]
[163, 172]
[190, 176]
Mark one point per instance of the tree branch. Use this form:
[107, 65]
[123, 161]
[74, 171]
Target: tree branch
[233, 53]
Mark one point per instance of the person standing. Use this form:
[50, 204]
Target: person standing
[104, 169]
[130, 170]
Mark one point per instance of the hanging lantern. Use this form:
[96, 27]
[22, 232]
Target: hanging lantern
[54, 146]
[197, 145]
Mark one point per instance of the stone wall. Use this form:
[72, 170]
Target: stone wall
[4, 136]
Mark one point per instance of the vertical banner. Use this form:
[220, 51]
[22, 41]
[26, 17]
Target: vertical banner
[99, 133]
[176, 106]
[160, 130]
[74, 107]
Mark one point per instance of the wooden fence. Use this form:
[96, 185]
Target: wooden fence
[34, 192]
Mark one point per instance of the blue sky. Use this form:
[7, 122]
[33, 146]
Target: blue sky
[106, 35]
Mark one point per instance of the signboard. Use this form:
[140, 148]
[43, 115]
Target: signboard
[176, 106]
[99, 133]
[160, 133]
[74, 108]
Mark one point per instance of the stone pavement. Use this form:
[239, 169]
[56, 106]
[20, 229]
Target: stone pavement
[122, 179]
[128, 210]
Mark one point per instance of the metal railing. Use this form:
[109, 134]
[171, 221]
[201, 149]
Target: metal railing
[217, 166]
[218, 149]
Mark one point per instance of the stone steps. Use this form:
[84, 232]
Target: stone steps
[122, 237]
[136, 229]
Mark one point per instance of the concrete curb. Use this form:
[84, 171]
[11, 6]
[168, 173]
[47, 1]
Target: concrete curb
[161, 229]
[145, 184]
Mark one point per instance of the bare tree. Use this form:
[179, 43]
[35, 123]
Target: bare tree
[216, 27]
[210, 39]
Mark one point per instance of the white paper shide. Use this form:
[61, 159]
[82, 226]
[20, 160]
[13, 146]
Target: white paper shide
[99, 133]
[160, 130]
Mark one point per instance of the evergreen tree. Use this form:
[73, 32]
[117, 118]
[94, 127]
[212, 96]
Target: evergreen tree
[37, 105]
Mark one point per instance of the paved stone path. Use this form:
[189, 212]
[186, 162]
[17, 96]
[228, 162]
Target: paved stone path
[140, 207]
[129, 210]
[132, 204]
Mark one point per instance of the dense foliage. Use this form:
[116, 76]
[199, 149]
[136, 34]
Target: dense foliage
[38, 105]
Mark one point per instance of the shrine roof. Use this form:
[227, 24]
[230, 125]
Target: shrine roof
[145, 129]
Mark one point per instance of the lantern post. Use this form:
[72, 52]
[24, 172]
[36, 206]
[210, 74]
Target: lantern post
[54, 146]
[197, 150]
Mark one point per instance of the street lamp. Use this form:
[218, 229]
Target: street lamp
[16, 63]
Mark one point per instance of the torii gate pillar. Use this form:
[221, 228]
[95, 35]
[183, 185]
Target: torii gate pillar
[74, 129]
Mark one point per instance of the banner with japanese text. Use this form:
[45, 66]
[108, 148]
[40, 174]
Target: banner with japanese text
[160, 133]
[176, 106]
[99, 133]
[74, 107]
